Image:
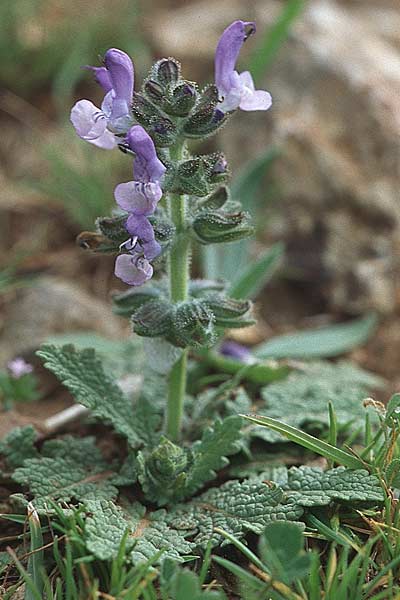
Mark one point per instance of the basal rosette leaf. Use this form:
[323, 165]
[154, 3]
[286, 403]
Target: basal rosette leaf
[83, 374]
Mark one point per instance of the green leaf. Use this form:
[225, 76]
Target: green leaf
[302, 399]
[281, 547]
[322, 342]
[19, 445]
[106, 524]
[209, 453]
[252, 280]
[185, 585]
[68, 470]
[83, 374]
[236, 507]
[308, 441]
[311, 486]
[274, 38]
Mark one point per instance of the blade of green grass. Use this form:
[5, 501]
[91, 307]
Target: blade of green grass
[308, 441]
[252, 279]
[273, 39]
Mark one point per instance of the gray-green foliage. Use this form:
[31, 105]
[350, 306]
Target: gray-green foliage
[170, 473]
[107, 523]
[68, 470]
[83, 374]
[18, 445]
[301, 400]
[235, 507]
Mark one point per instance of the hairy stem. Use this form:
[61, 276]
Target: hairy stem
[179, 262]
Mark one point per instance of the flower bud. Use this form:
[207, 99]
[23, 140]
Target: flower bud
[216, 200]
[205, 119]
[229, 312]
[162, 130]
[193, 325]
[167, 71]
[217, 227]
[183, 99]
[154, 91]
[189, 178]
[152, 319]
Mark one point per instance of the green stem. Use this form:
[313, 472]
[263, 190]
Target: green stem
[179, 262]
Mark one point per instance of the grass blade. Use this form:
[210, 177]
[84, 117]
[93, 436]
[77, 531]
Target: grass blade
[308, 441]
[274, 38]
[252, 280]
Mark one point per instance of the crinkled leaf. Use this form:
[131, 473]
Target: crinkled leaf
[19, 445]
[107, 523]
[310, 486]
[237, 508]
[105, 526]
[69, 470]
[302, 398]
[209, 453]
[83, 374]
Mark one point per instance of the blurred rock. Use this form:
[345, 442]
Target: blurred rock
[336, 114]
[51, 306]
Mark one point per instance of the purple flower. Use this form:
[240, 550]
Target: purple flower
[232, 349]
[236, 90]
[98, 126]
[140, 198]
[19, 367]
[142, 195]
[133, 269]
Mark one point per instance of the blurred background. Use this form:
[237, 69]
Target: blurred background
[320, 171]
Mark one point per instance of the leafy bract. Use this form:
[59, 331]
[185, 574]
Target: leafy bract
[19, 445]
[83, 374]
[68, 470]
[169, 473]
[301, 400]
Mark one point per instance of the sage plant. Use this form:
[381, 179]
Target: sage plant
[174, 199]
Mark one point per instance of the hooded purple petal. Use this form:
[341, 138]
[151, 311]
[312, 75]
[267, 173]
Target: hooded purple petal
[121, 75]
[101, 76]
[236, 91]
[147, 165]
[91, 125]
[133, 269]
[138, 198]
[227, 52]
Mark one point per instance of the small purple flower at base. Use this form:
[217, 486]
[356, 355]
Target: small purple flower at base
[98, 126]
[236, 90]
[19, 367]
[232, 349]
[133, 269]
